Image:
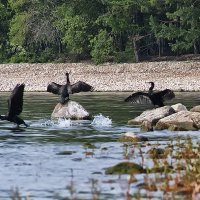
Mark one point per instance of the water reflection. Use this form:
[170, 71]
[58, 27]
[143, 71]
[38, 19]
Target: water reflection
[31, 158]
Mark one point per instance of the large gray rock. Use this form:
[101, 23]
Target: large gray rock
[180, 121]
[195, 109]
[152, 116]
[70, 110]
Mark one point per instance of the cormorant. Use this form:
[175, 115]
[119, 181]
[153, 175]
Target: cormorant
[151, 97]
[65, 90]
[15, 106]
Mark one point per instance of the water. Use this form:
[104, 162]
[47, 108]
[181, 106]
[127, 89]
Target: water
[53, 159]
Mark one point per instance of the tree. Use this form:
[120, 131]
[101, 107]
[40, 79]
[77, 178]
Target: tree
[181, 26]
[102, 47]
[4, 28]
[126, 22]
[32, 27]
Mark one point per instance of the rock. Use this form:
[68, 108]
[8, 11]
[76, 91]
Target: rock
[70, 110]
[146, 126]
[125, 168]
[179, 107]
[152, 116]
[183, 120]
[195, 109]
[132, 137]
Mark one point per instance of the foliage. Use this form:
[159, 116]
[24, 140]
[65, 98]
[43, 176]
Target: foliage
[50, 30]
[101, 47]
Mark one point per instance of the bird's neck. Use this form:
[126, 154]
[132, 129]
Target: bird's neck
[151, 88]
[68, 82]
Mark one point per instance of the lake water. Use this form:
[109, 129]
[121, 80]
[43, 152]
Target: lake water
[52, 159]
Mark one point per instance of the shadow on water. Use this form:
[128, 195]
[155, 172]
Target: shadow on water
[32, 159]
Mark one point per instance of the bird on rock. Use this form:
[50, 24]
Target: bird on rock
[65, 90]
[151, 97]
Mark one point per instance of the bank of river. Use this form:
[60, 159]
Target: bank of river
[175, 75]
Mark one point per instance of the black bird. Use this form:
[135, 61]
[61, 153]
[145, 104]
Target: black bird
[151, 97]
[15, 106]
[65, 90]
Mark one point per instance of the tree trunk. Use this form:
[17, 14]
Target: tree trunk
[195, 48]
[159, 47]
[135, 51]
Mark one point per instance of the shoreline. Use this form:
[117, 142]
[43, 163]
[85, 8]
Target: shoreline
[109, 77]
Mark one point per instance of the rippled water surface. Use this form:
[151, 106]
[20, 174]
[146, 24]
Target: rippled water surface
[53, 159]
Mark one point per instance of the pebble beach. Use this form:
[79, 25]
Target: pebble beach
[175, 75]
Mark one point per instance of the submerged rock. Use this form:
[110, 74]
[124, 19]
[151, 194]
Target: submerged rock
[125, 168]
[146, 126]
[70, 110]
[132, 137]
[179, 107]
[183, 120]
[195, 109]
[152, 116]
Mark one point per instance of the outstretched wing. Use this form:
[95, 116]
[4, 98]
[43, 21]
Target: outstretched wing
[166, 94]
[139, 97]
[81, 86]
[54, 88]
[15, 101]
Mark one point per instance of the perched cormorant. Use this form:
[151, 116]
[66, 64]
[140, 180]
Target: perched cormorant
[65, 90]
[151, 97]
[15, 106]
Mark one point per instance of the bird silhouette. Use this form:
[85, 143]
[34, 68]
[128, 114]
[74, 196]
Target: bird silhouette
[151, 97]
[65, 90]
[15, 106]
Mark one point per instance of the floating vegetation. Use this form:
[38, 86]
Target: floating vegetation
[125, 168]
[66, 152]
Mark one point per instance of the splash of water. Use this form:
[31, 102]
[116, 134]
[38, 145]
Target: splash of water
[64, 123]
[60, 123]
[100, 120]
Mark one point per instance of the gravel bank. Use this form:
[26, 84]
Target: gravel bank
[177, 76]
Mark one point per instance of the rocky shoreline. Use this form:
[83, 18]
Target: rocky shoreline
[175, 75]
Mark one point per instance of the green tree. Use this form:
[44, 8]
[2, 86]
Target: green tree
[180, 26]
[4, 28]
[32, 29]
[102, 47]
[126, 21]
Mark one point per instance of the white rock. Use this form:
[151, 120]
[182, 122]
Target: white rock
[179, 107]
[183, 120]
[70, 110]
[152, 116]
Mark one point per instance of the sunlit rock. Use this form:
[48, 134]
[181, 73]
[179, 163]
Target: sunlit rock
[195, 109]
[125, 168]
[153, 115]
[132, 137]
[183, 120]
[146, 126]
[70, 110]
[179, 107]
